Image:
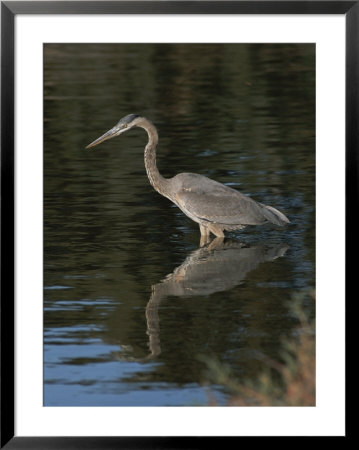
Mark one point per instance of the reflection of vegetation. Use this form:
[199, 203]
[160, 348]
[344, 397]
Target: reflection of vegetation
[289, 382]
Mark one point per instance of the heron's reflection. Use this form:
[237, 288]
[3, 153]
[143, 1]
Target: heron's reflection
[219, 266]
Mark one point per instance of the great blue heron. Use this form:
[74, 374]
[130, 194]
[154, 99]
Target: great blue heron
[214, 206]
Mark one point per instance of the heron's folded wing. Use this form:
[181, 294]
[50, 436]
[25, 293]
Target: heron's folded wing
[222, 206]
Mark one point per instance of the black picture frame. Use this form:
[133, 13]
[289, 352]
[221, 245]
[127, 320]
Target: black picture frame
[9, 10]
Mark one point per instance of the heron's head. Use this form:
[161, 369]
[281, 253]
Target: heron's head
[125, 124]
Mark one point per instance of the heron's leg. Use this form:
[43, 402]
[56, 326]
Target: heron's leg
[216, 230]
[204, 235]
[204, 240]
[216, 244]
[204, 230]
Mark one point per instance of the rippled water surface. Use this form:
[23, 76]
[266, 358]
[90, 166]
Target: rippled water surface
[132, 304]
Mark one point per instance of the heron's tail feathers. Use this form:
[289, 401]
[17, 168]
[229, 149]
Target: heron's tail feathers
[274, 216]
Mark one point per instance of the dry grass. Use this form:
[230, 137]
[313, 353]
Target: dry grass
[295, 371]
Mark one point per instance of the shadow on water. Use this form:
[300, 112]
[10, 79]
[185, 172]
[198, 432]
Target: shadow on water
[217, 267]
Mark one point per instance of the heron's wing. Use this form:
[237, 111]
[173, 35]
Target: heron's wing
[214, 202]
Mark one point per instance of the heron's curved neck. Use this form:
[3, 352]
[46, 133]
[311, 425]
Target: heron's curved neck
[156, 179]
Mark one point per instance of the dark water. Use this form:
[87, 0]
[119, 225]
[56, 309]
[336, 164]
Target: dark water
[132, 304]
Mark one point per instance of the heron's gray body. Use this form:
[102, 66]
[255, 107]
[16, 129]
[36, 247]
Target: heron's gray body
[214, 206]
[218, 206]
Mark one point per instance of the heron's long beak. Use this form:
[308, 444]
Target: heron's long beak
[108, 135]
